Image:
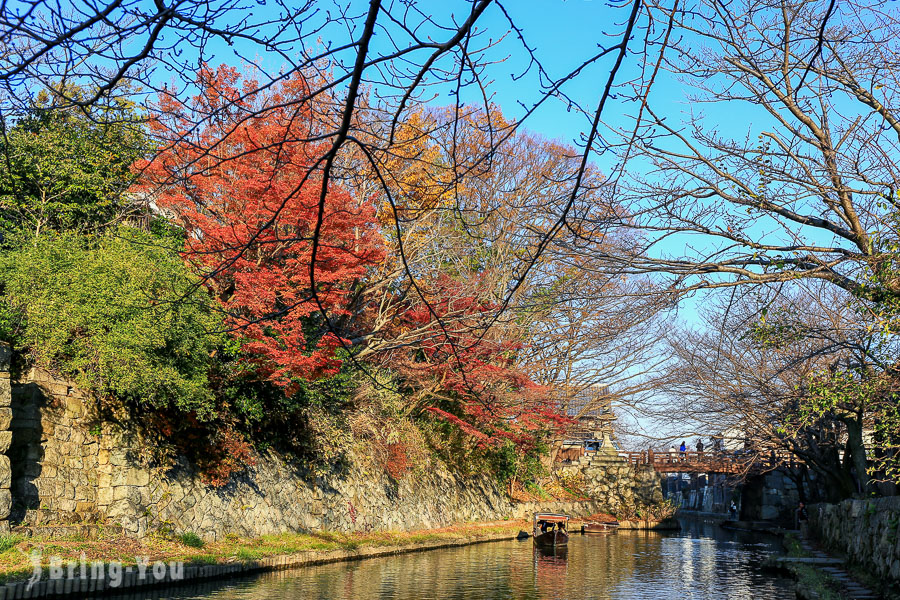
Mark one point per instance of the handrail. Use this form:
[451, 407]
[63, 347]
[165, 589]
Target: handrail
[714, 461]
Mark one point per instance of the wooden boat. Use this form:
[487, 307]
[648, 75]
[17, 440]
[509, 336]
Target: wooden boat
[598, 527]
[551, 530]
[599, 523]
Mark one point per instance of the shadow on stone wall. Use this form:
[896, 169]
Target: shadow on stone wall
[25, 450]
[769, 497]
[53, 455]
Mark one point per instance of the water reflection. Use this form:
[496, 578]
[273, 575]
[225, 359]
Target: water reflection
[700, 562]
[550, 569]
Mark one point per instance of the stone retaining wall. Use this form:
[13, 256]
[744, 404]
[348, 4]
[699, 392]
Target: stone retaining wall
[54, 456]
[866, 531]
[526, 510]
[614, 483]
[69, 467]
[275, 497]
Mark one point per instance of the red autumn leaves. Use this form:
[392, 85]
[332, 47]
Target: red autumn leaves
[241, 172]
[246, 187]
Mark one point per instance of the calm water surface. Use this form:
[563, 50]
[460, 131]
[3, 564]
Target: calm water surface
[699, 562]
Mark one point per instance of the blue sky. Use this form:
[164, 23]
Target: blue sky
[562, 33]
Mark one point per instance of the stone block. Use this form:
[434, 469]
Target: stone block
[80, 478]
[77, 437]
[119, 509]
[54, 387]
[132, 525]
[118, 458]
[5, 390]
[46, 488]
[189, 501]
[50, 454]
[84, 493]
[63, 431]
[5, 503]
[65, 505]
[137, 477]
[5, 418]
[119, 477]
[74, 405]
[48, 431]
[105, 496]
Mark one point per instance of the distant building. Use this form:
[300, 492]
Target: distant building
[591, 409]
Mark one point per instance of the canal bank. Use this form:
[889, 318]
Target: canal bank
[819, 572]
[114, 562]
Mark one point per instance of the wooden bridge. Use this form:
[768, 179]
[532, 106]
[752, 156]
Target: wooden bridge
[729, 463]
[709, 462]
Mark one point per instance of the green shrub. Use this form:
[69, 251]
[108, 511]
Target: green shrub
[8, 542]
[189, 538]
[69, 168]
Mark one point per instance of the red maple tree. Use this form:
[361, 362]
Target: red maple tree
[467, 373]
[240, 171]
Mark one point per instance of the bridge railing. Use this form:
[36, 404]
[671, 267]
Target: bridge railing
[716, 461]
[712, 461]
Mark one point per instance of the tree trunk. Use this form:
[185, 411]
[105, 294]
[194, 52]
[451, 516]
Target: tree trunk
[857, 450]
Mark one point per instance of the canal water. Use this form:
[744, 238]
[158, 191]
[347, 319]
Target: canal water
[700, 562]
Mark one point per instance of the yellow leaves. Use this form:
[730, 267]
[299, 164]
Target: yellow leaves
[439, 155]
[415, 169]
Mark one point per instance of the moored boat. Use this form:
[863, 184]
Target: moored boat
[595, 527]
[599, 523]
[551, 530]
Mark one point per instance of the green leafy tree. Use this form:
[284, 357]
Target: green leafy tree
[64, 169]
[118, 313]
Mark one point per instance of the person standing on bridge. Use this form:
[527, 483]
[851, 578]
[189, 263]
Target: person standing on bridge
[699, 447]
[683, 450]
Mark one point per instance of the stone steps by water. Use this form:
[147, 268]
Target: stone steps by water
[851, 589]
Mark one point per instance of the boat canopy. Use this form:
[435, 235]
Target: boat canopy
[551, 517]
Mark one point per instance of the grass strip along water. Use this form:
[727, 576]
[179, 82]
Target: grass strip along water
[38, 567]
